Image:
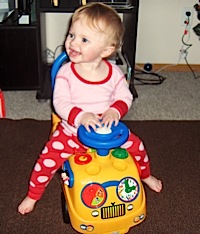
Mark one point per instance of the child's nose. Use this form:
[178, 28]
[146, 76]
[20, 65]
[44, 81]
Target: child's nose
[74, 42]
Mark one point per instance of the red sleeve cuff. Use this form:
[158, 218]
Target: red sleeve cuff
[72, 115]
[121, 107]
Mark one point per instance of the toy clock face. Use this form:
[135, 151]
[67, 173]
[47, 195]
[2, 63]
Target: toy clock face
[128, 189]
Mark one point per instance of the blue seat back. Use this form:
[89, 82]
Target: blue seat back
[56, 65]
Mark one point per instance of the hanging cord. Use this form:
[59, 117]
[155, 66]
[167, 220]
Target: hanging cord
[193, 73]
[186, 32]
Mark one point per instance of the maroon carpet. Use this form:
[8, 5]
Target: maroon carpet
[174, 150]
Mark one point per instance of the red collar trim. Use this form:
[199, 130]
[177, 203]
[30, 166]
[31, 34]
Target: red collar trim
[93, 82]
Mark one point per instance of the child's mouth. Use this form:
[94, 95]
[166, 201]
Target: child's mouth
[73, 53]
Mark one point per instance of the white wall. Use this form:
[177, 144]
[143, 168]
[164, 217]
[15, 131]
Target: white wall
[159, 31]
[56, 27]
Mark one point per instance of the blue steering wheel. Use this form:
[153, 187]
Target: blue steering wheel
[104, 142]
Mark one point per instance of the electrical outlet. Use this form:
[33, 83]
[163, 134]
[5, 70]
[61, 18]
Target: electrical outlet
[187, 16]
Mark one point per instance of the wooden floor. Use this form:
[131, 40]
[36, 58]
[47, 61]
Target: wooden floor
[173, 67]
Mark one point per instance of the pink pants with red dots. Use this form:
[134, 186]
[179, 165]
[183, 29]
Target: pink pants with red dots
[61, 146]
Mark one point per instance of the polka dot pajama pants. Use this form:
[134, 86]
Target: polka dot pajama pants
[61, 146]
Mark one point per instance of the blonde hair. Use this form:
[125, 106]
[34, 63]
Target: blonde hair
[103, 18]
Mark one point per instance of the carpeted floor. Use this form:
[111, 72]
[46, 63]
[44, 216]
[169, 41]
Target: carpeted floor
[177, 98]
[173, 147]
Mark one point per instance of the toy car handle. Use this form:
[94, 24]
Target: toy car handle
[104, 142]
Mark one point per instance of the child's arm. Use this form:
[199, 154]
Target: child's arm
[122, 98]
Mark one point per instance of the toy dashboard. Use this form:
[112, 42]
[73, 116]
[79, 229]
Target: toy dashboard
[104, 194]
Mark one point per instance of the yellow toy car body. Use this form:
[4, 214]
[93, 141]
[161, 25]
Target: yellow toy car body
[104, 195]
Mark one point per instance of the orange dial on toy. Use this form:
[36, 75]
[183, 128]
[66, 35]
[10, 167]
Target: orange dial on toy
[93, 195]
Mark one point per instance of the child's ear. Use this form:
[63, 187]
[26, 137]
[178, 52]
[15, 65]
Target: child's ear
[107, 51]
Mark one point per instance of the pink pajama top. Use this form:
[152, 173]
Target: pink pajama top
[74, 95]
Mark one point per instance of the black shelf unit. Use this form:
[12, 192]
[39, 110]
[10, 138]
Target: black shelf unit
[23, 60]
[20, 62]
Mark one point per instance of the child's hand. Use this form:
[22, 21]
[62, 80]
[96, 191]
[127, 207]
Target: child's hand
[90, 120]
[109, 117]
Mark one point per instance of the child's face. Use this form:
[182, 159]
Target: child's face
[85, 44]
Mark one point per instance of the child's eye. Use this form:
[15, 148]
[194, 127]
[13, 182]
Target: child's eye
[85, 40]
[70, 35]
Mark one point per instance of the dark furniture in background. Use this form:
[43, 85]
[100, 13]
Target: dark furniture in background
[20, 61]
[23, 59]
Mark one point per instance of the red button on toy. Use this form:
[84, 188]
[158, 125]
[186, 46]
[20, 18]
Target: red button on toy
[82, 158]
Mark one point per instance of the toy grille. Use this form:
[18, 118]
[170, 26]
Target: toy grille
[113, 211]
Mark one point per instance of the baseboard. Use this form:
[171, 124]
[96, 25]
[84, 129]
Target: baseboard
[172, 68]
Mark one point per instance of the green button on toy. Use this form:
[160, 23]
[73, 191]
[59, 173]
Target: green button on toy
[120, 153]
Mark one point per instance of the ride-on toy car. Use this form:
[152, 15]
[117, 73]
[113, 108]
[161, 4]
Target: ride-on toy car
[103, 193]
